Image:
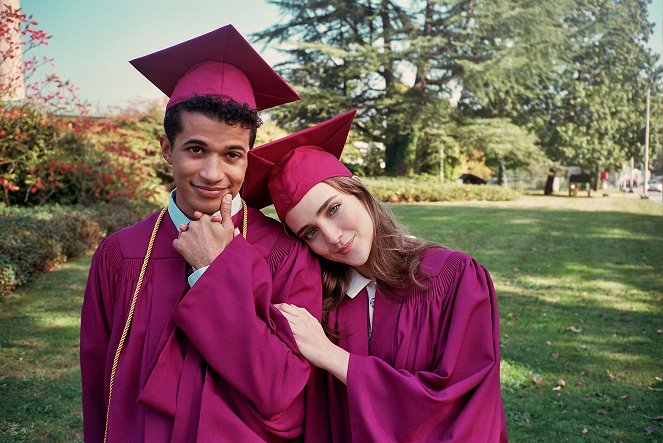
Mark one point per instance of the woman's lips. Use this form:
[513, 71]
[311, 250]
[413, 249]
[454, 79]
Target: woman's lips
[346, 248]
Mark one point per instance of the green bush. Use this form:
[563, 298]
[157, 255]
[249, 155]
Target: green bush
[426, 188]
[39, 238]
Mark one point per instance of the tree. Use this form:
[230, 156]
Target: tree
[503, 144]
[588, 110]
[19, 35]
[401, 65]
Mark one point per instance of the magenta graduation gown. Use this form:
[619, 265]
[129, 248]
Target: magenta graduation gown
[432, 373]
[221, 361]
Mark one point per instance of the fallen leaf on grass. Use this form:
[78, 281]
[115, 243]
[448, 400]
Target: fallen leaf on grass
[537, 380]
[573, 329]
[602, 412]
[584, 431]
[555, 355]
[649, 430]
[623, 397]
[659, 331]
[611, 375]
[580, 383]
[561, 382]
[658, 418]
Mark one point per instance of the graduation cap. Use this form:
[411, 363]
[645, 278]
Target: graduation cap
[283, 171]
[219, 63]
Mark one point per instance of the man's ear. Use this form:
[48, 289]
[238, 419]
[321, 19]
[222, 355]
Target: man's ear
[166, 149]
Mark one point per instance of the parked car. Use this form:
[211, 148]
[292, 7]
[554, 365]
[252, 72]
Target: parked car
[655, 184]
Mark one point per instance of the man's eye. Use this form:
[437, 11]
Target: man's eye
[195, 149]
[234, 155]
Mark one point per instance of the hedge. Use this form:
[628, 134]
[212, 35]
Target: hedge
[426, 188]
[39, 238]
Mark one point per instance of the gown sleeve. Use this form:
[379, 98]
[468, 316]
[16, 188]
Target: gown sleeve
[229, 318]
[94, 341]
[459, 398]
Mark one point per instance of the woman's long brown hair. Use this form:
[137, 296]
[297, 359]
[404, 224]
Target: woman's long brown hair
[394, 258]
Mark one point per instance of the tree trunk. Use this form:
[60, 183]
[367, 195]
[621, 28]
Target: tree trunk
[597, 177]
[441, 148]
[501, 174]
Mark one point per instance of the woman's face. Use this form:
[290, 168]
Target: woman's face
[335, 225]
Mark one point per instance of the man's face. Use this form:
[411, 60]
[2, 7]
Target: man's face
[209, 159]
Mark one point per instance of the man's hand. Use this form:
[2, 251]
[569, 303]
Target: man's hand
[204, 239]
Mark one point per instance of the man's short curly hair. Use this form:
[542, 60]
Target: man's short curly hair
[214, 107]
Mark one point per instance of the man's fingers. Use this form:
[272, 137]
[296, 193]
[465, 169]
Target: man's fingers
[226, 209]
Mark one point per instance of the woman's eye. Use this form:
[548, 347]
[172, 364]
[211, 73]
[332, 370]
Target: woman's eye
[309, 234]
[334, 208]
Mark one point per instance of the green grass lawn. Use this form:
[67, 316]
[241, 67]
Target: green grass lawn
[580, 288]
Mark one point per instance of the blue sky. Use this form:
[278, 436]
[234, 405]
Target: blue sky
[94, 39]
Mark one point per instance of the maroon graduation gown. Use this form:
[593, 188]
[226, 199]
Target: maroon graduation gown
[239, 368]
[432, 373]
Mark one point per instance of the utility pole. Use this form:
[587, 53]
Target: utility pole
[646, 167]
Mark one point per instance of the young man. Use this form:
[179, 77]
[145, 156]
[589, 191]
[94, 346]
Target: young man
[161, 361]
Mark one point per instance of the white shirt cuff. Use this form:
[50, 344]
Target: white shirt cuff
[195, 275]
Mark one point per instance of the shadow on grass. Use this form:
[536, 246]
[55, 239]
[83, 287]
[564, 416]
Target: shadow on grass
[600, 273]
[615, 246]
[39, 373]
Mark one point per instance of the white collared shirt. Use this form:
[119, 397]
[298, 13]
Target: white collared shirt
[355, 285]
[178, 218]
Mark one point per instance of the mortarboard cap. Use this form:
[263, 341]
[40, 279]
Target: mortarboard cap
[220, 63]
[283, 171]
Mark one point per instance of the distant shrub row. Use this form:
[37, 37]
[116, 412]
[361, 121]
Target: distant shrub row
[39, 238]
[428, 189]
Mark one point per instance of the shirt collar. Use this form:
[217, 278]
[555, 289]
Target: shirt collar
[356, 283]
[178, 217]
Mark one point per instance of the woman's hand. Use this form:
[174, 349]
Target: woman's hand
[313, 343]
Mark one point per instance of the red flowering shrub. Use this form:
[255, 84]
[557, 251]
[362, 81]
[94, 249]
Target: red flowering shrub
[44, 159]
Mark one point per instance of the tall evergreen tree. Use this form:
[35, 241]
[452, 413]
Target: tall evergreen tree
[402, 65]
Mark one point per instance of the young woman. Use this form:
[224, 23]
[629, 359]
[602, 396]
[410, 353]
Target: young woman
[411, 347]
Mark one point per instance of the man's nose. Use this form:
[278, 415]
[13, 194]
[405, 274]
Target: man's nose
[213, 170]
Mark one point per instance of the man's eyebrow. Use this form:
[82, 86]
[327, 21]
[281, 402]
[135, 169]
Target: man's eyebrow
[318, 213]
[194, 141]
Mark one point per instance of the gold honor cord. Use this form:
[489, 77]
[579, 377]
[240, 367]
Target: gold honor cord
[245, 222]
[130, 316]
[127, 325]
